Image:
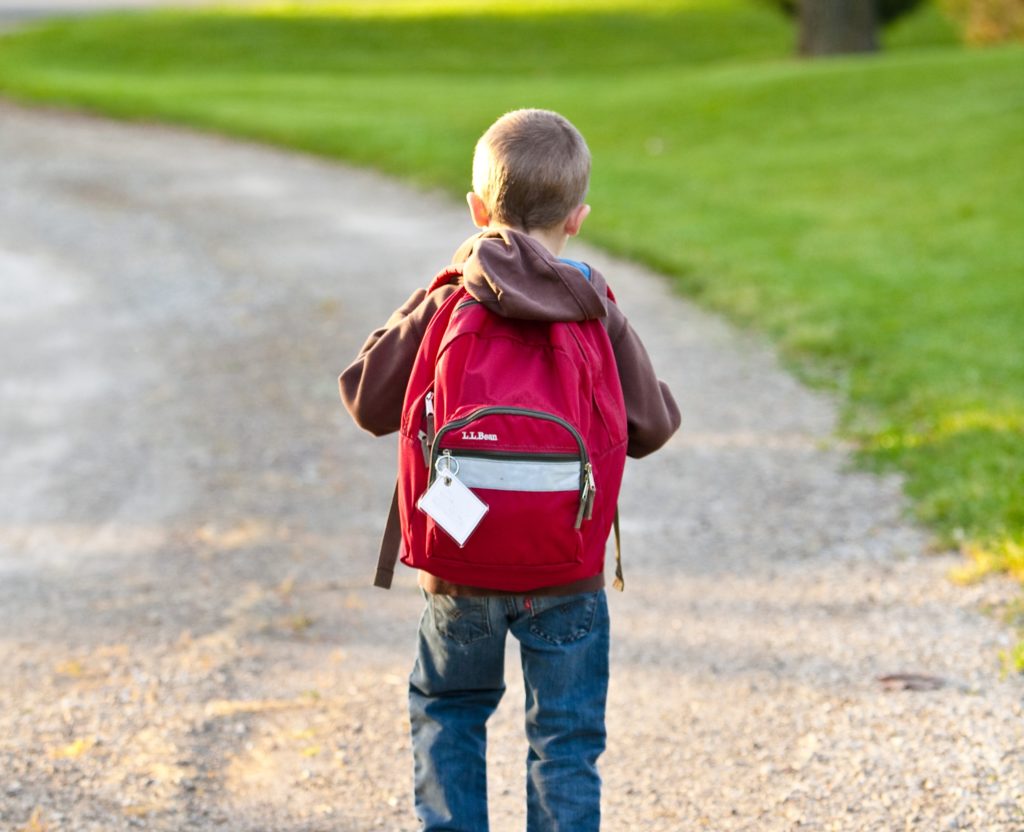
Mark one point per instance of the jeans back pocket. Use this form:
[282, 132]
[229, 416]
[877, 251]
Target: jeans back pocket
[461, 619]
[561, 620]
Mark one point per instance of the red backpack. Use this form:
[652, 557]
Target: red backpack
[529, 416]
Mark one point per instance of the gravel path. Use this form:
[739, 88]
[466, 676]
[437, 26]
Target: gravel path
[188, 638]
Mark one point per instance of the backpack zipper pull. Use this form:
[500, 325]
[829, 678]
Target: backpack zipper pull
[582, 511]
[587, 494]
[427, 436]
[584, 497]
[591, 492]
[425, 447]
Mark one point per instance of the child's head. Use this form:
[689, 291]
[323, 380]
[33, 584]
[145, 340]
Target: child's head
[530, 171]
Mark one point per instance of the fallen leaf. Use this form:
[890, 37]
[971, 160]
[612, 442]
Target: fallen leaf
[140, 809]
[72, 668]
[911, 681]
[35, 822]
[299, 623]
[73, 750]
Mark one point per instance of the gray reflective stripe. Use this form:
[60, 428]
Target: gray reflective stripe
[518, 474]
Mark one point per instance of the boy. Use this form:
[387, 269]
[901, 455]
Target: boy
[530, 175]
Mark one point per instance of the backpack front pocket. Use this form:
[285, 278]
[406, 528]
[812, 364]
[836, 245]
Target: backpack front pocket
[533, 472]
[530, 523]
[514, 540]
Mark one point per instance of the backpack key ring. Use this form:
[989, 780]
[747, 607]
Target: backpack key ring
[447, 467]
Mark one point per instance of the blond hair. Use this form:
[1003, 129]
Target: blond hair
[531, 169]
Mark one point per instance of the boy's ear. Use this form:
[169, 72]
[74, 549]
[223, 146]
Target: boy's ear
[575, 220]
[478, 211]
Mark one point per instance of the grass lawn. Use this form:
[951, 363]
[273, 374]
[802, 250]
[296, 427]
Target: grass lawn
[865, 212]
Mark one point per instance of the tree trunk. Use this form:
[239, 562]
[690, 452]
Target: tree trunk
[835, 27]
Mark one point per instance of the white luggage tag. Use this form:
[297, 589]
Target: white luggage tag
[450, 503]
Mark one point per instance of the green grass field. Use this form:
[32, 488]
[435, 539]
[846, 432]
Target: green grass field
[865, 212]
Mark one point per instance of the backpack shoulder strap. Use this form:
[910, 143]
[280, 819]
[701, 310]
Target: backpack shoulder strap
[390, 544]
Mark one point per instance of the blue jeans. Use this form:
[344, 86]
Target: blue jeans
[458, 681]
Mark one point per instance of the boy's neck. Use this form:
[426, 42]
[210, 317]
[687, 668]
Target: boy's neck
[553, 240]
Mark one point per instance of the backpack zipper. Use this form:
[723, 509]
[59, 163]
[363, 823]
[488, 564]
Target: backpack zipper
[588, 488]
[516, 456]
[426, 437]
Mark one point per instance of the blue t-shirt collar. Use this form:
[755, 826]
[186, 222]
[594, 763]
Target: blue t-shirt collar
[583, 267]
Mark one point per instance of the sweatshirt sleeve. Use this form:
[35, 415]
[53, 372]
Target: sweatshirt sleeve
[652, 415]
[373, 385]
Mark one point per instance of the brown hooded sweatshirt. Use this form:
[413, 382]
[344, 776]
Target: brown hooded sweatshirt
[514, 276]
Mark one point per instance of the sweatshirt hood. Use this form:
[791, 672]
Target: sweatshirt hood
[515, 276]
